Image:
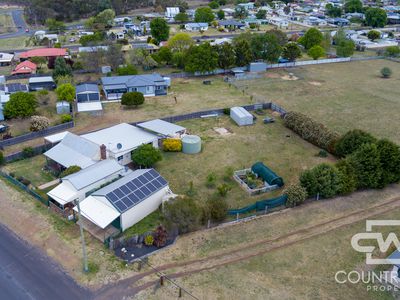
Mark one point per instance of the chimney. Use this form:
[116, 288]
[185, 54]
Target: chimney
[103, 152]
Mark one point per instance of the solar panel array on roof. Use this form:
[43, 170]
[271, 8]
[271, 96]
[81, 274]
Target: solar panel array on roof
[136, 190]
[16, 87]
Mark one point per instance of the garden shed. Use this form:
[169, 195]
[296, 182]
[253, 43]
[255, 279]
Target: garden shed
[63, 107]
[267, 174]
[241, 116]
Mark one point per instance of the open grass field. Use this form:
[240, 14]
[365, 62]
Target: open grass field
[302, 269]
[273, 144]
[6, 23]
[13, 43]
[343, 96]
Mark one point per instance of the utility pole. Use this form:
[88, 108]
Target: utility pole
[85, 262]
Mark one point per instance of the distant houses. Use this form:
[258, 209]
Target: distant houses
[149, 85]
[196, 26]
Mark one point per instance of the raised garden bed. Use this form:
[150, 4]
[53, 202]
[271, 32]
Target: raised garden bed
[251, 183]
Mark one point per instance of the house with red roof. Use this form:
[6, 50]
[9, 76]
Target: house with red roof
[43, 52]
[26, 67]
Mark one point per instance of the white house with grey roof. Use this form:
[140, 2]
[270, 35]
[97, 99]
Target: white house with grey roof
[73, 150]
[148, 84]
[77, 186]
[124, 202]
[120, 140]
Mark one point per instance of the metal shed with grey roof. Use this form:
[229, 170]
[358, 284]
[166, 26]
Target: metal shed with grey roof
[87, 92]
[162, 127]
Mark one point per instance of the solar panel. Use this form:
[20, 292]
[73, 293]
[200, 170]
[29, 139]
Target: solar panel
[125, 189]
[119, 193]
[136, 190]
[121, 206]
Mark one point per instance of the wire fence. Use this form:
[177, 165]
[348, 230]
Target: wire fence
[24, 187]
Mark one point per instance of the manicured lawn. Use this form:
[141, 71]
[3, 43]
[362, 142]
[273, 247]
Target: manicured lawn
[343, 96]
[273, 144]
[30, 169]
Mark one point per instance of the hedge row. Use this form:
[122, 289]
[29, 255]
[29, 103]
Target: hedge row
[312, 131]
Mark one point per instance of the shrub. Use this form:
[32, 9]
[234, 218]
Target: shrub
[228, 174]
[226, 111]
[28, 152]
[2, 159]
[216, 209]
[160, 236]
[182, 213]
[39, 123]
[172, 145]
[20, 105]
[296, 195]
[131, 99]
[66, 92]
[347, 176]
[392, 51]
[223, 189]
[386, 72]
[146, 155]
[367, 166]
[66, 118]
[322, 153]
[70, 170]
[322, 179]
[127, 70]
[149, 240]
[310, 130]
[389, 154]
[210, 180]
[351, 141]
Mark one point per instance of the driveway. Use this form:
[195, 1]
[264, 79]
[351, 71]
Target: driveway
[19, 21]
[27, 273]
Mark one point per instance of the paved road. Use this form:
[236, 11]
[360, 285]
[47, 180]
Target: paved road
[19, 21]
[27, 273]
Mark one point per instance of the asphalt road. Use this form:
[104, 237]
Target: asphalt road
[18, 16]
[27, 273]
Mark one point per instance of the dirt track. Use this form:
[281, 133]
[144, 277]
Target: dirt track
[133, 285]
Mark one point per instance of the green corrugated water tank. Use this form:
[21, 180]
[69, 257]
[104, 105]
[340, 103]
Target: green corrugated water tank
[191, 144]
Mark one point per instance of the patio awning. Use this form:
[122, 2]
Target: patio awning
[55, 138]
[63, 194]
[97, 211]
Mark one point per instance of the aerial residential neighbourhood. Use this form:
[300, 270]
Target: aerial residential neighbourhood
[196, 149]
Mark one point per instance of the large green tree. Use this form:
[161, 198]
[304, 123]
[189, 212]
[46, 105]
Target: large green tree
[226, 56]
[389, 154]
[352, 141]
[182, 213]
[204, 14]
[243, 52]
[180, 42]
[311, 38]
[55, 26]
[291, 51]
[202, 58]
[20, 105]
[352, 6]
[61, 68]
[316, 52]
[375, 17]
[159, 29]
[333, 11]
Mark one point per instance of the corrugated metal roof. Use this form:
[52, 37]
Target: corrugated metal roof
[74, 150]
[162, 127]
[94, 173]
[44, 52]
[86, 87]
[132, 80]
[41, 79]
[130, 137]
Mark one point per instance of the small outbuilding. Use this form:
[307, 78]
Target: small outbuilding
[162, 128]
[241, 116]
[41, 83]
[88, 98]
[63, 107]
